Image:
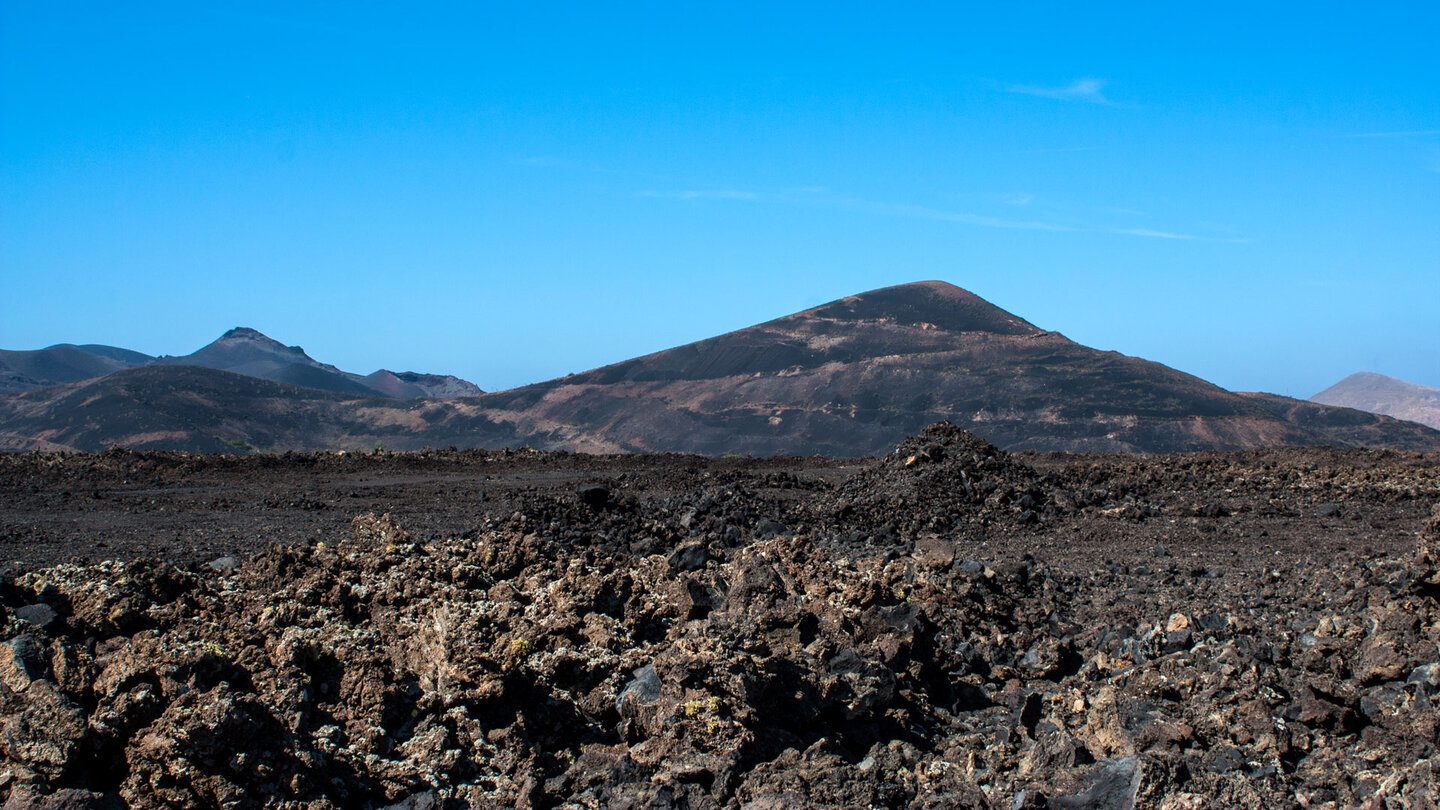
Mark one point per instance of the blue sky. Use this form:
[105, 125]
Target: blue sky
[511, 192]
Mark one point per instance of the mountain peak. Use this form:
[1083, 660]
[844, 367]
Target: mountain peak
[243, 338]
[238, 349]
[246, 333]
[1377, 393]
[936, 304]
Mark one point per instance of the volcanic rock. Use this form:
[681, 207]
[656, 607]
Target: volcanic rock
[905, 642]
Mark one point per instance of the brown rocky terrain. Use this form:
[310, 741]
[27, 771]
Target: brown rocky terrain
[950, 625]
[849, 378]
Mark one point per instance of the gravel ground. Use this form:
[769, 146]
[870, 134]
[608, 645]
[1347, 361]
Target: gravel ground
[948, 626]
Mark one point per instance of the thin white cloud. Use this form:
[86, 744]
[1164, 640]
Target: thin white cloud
[978, 220]
[568, 165]
[1018, 199]
[545, 162]
[1089, 90]
[1055, 150]
[1150, 233]
[982, 221]
[1412, 133]
[821, 197]
[699, 194]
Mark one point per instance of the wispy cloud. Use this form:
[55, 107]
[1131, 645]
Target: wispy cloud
[699, 194]
[820, 197]
[1411, 133]
[964, 218]
[1018, 199]
[1090, 90]
[546, 162]
[981, 221]
[1150, 233]
[564, 164]
[1055, 150]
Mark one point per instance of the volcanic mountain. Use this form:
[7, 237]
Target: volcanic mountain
[1377, 393]
[848, 378]
[63, 363]
[241, 350]
[414, 385]
[247, 351]
[206, 410]
[853, 376]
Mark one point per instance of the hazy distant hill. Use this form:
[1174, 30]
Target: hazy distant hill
[247, 351]
[414, 385]
[206, 410]
[1377, 393]
[849, 378]
[241, 350]
[63, 363]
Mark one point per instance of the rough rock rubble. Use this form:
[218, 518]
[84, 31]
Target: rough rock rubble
[854, 646]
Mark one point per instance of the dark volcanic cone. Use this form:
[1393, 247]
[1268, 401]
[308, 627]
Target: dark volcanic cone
[854, 376]
[246, 351]
[64, 363]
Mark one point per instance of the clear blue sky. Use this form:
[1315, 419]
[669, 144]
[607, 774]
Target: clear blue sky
[1249, 192]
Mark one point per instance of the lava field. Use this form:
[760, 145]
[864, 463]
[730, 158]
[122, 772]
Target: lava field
[946, 626]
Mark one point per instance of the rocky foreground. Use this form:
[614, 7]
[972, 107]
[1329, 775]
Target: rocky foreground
[951, 626]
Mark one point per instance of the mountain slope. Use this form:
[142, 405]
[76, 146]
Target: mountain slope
[241, 350]
[1377, 393]
[853, 376]
[62, 363]
[247, 351]
[199, 409]
[848, 378]
[414, 385]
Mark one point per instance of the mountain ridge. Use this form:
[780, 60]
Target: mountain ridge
[847, 378]
[241, 349]
[25, 370]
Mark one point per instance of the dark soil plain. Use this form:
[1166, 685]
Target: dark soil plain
[946, 626]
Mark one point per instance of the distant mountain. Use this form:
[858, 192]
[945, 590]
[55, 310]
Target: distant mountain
[203, 410]
[247, 351]
[853, 376]
[62, 363]
[133, 358]
[414, 385]
[1377, 393]
[849, 378]
[241, 350]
